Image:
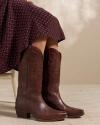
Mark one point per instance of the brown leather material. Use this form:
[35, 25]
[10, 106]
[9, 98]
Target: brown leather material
[51, 82]
[29, 98]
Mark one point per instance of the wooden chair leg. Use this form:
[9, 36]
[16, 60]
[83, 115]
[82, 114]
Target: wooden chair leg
[13, 84]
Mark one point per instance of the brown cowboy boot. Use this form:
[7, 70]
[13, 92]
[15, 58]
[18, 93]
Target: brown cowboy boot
[29, 98]
[51, 81]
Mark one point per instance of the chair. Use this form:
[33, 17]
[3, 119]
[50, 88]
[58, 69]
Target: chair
[11, 75]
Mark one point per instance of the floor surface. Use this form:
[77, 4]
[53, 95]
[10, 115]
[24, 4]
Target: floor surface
[86, 96]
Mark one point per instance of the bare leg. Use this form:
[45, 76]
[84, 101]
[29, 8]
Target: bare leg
[51, 44]
[40, 43]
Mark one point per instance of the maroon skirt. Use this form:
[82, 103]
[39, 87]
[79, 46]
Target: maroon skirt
[22, 22]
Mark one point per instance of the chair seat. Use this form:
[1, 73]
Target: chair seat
[10, 75]
[7, 74]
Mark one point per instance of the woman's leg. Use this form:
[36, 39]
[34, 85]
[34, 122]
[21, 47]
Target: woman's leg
[29, 97]
[51, 44]
[40, 44]
[51, 80]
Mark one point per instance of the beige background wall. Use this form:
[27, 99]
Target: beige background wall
[81, 62]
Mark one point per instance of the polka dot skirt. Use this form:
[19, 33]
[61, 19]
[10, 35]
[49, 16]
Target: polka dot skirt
[21, 23]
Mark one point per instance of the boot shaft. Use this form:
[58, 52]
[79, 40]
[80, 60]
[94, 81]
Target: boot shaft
[52, 65]
[30, 73]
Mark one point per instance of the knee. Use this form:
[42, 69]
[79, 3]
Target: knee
[40, 44]
[51, 43]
